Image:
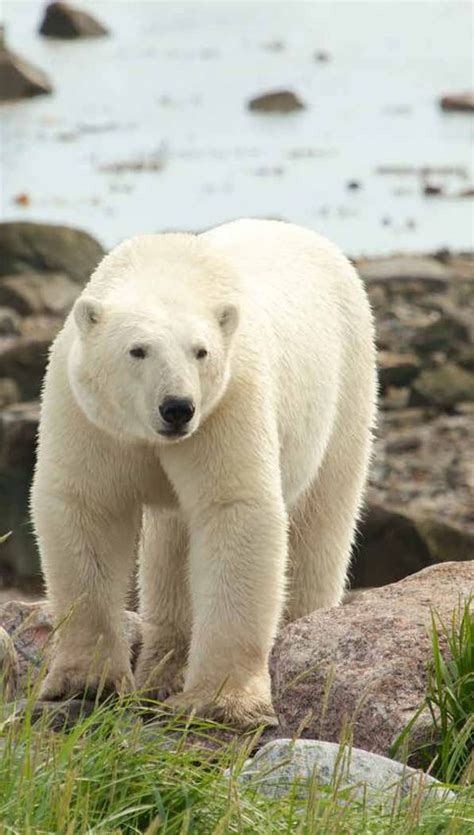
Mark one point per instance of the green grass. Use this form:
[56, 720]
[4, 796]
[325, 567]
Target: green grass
[449, 700]
[111, 774]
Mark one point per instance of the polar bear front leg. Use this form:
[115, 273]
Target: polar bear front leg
[165, 605]
[229, 483]
[86, 553]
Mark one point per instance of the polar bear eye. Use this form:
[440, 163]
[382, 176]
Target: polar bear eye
[138, 352]
[201, 353]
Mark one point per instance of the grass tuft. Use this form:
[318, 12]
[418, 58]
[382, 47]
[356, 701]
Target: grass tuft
[449, 755]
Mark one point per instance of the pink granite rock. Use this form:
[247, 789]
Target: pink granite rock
[366, 662]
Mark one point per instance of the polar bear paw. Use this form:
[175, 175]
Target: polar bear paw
[160, 672]
[74, 679]
[236, 708]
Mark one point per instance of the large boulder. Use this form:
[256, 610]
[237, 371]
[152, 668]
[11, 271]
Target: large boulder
[41, 247]
[365, 663]
[393, 544]
[18, 78]
[64, 21]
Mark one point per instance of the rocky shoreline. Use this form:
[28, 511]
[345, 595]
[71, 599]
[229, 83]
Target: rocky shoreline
[419, 509]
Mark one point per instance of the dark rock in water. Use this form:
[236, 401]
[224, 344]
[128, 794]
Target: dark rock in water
[64, 21]
[278, 101]
[18, 78]
[38, 293]
[41, 247]
[393, 544]
[458, 101]
[443, 387]
[432, 190]
[353, 185]
[365, 663]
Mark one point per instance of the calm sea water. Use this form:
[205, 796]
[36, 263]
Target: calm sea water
[167, 93]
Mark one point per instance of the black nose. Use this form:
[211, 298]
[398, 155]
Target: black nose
[176, 411]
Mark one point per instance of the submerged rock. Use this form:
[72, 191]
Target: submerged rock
[277, 101]
[64, 21]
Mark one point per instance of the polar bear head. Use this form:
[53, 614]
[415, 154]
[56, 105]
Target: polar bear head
[151, 353]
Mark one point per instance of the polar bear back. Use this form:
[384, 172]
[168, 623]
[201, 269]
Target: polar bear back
[308, 313]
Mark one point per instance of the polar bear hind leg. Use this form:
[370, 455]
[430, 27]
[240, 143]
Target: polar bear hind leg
[324, 521]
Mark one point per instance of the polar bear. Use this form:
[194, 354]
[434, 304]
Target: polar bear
[208, 404]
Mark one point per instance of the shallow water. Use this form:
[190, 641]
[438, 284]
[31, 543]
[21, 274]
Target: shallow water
[170, 87]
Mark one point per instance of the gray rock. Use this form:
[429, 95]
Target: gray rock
[279, 764]
[9, 392]
[18, 427]
[18, 78]
[24, 359]
[443, 387]
[41, 247]
[392, 544]
[9, 322]
[396, 369]
[38, 293]
[55, 716]
[365, 663]
[443, 334]
[277, 101]
[406, 268]
[64, 21]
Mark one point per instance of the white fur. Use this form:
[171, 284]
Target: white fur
[267, 484]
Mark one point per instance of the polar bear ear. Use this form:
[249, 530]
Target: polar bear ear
[228, 318]
[87, 312]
